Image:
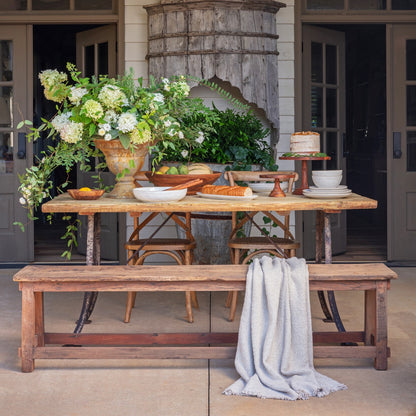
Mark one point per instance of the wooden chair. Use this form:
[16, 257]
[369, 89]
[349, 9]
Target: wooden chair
[243, 249]
[179, 249]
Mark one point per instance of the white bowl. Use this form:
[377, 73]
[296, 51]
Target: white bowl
[326, 172]
[261, 187]
[158, 194]
[326, 181]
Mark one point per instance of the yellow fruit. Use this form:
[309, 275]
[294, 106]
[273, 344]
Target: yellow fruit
[163, 169]
[85, 188]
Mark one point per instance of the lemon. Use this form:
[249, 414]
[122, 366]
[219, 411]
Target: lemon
[163, 169]
[85, 188]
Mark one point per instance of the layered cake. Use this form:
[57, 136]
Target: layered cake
[305, 143]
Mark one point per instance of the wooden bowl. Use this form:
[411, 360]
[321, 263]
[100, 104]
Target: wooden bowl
[86, 195]
[172, 180]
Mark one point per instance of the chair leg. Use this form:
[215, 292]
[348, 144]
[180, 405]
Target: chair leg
[131, 299]
[228, 301]
[233, 305]
[189, 306]
[194, 299]
[231, 301]
[188, 257]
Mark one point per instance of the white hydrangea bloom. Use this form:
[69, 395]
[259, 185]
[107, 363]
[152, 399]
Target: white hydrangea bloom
[110, 116]
[76, 95]
[140, 137]
[52, 77]
[72, 132]
[126, 122]
[93, 109]
[184, 153]
[106, 127]
[60, 121]
[159, 98]
[111, 96]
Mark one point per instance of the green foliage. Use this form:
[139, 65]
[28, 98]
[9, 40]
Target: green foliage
[229, 137]
[291, 154]
[70, 235]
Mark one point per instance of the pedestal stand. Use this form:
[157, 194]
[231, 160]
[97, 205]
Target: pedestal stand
[304, 175]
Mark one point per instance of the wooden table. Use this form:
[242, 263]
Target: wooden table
[324, 207]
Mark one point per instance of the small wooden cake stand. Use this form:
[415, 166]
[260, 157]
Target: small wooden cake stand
[277, 190]
[304, 159]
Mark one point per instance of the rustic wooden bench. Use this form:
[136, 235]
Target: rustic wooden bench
[34, 280]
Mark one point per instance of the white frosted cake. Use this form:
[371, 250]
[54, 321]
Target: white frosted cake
[305, 142]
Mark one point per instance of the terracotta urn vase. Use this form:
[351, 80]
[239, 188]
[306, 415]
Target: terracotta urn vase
[119, 159]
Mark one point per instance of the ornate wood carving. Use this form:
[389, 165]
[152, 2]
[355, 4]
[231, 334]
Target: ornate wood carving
[234, 40]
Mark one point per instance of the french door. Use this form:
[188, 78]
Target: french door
[323, 110]
[15, 154]
[401, 142]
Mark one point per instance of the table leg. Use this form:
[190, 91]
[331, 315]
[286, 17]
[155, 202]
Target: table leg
[319, 227]
[328, 259]
[92, 257]
[96, 258]
[304, 179]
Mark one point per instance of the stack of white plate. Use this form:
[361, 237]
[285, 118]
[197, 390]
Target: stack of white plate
[341, 191]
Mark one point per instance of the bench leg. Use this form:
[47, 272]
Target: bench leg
[28, 330]
[39, 320]
[376, 323]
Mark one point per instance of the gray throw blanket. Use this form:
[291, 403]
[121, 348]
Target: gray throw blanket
[274, 353]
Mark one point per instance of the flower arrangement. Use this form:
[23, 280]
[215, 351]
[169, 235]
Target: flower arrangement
[107, 108]
[103, 108]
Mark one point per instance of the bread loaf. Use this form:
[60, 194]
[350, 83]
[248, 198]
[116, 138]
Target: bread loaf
[227, 190]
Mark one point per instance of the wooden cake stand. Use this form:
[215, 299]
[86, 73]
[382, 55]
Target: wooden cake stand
[277, 190]
[304, 159]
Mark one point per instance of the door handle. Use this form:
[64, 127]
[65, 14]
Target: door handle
[397, 145]
[21, 146]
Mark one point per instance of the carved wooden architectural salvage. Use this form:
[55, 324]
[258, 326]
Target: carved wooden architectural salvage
[234, 40]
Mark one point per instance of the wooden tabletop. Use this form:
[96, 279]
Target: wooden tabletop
[194, 203]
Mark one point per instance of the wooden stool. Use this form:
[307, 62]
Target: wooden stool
[179, 249]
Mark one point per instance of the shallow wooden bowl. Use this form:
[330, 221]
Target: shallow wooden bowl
[172, 180]
[86, 195]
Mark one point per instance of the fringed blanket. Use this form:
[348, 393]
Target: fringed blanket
[275, 352]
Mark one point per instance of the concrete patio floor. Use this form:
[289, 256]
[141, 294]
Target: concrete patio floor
[194, 387]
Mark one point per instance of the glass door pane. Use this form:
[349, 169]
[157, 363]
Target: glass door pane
[367, 4]
[403, 4]
[324, 104]
[50, 5]
[325, 4]
[13, 5]
[6, 107]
